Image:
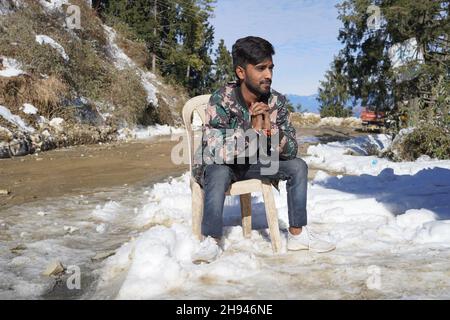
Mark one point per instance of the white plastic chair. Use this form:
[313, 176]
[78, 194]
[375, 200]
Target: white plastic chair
[241, 188]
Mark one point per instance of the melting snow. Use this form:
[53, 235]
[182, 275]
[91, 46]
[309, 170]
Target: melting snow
[43, 39]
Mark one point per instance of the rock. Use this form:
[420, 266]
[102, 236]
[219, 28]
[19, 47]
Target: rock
[4, 150]
[20, 147]
[18, 248]
[57, 124]
[70, 229]
[103, 255]
[4, 192]
[53, 269]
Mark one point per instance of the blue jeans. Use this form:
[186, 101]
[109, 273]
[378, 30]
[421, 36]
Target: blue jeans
[218, 177]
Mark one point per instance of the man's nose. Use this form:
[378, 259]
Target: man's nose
[268, 74]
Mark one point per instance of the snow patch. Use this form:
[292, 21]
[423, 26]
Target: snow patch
[360, 213]
[53, 4]
[12, 68]
[16, 120]
[122, 61]
[149, 132]
[29, 108]
[339, 157]
[43, 39]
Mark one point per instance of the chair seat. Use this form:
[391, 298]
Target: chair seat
[238, 188]
[245, 186]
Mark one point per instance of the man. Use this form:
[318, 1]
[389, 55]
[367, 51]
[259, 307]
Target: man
[250, 105]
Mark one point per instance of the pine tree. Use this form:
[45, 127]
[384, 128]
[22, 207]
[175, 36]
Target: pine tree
[368, 66]
[223, 66]
[178, 33]
[333, 92]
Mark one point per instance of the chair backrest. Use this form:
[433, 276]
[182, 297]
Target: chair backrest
[197, 104]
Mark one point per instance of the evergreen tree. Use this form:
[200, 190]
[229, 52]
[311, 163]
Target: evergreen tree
[333, 92]
[223, 66]
[368, 66]
[177, 34]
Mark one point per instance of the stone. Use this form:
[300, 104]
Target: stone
[103, 255]
[18, 248]
[70, 229]
[53, 269]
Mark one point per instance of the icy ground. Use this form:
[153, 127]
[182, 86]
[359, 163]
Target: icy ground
[390, 222]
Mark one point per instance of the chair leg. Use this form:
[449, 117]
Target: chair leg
[246, 213]
[272, 216]
[197, 210]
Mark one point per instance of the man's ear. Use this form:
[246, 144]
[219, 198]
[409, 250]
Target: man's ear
[240, 72]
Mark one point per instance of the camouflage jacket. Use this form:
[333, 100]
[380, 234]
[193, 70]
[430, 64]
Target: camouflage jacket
[228, 117]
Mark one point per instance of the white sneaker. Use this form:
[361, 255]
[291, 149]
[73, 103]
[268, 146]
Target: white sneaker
[308, 240]
[208, 251]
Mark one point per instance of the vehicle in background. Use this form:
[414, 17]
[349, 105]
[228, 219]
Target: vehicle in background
[372, 119]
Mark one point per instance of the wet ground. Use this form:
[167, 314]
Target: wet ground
[62, 206]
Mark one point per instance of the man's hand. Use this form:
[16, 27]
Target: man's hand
[260, 115]
[258, 108]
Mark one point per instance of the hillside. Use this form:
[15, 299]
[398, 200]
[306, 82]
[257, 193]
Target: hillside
[64, 85]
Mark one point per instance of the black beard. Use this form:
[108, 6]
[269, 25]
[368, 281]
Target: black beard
[255, 90]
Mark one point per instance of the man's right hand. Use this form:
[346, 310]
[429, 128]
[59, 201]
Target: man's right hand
[257, 110]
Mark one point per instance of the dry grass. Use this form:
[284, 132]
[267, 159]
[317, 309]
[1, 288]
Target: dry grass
[91, 27]
[301, 120]
[131, 45]
[314, 120]
[127, 95]
[52, 84]
[44, 94]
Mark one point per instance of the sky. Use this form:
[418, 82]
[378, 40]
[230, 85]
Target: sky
[303, 33]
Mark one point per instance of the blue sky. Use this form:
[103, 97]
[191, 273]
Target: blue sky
[303, 32]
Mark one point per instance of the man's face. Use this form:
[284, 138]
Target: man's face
[257, 78]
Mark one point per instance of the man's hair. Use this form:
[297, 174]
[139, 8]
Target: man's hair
[251, 50]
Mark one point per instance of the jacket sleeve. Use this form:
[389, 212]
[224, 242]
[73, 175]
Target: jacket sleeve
[288, 145]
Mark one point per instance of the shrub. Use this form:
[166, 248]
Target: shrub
[426, 140]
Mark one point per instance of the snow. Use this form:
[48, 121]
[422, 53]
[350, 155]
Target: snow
[122, 61]
[391, 228]
[43, 39]
[159, 130]
[16, 120]
[377, 222]
[336, 156]
[6, 8]
[149, 132]
[29, 108]
[53, 4]
[11, 68]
